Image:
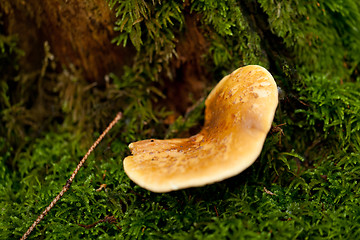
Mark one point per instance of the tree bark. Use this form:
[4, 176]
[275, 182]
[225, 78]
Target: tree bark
[78, 32]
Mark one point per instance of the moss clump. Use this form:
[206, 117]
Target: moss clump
[304, 184]
[322, 34]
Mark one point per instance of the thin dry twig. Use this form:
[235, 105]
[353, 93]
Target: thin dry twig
[70, 180]
[269, 192]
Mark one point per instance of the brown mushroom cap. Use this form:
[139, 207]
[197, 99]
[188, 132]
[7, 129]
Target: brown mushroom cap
[238, 115]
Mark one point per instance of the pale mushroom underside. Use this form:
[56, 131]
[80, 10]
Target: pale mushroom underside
[238, 115]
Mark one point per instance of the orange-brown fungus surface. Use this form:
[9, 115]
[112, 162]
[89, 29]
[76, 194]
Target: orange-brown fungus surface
[238, 115]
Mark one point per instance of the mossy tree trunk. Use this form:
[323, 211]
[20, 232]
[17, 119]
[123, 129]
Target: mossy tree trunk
[78, 32]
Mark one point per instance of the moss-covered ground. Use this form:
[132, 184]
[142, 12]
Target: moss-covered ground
[304, 185]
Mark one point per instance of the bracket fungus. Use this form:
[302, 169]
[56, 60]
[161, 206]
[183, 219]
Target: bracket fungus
[238, 115]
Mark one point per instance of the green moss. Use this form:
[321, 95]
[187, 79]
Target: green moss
[232, 41]
[9, 53]
[334, 106]
[304, 185]
[323, 35]
[151, 28]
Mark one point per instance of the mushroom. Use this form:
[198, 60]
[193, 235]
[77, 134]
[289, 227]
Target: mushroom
[238, 115]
